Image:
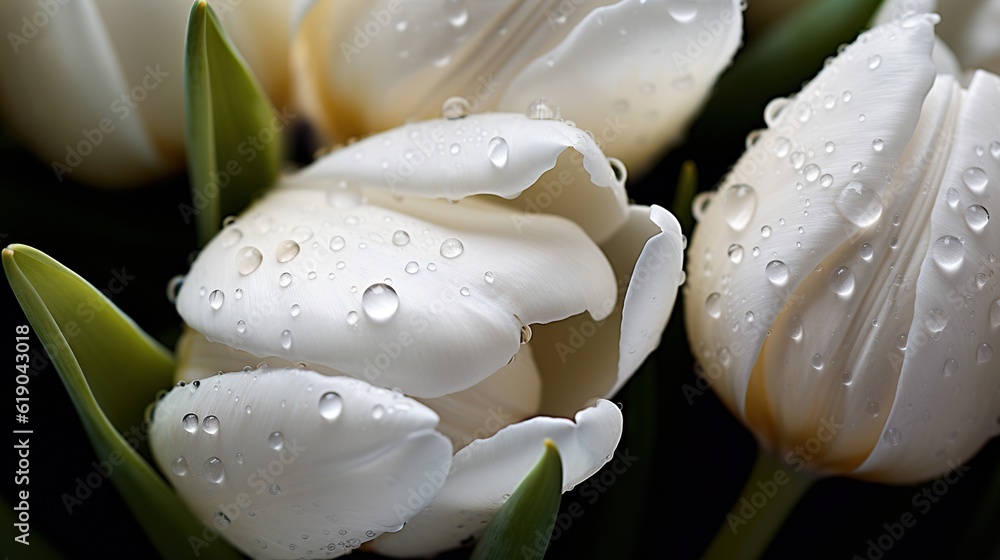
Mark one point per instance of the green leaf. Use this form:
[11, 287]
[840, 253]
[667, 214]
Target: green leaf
[111, 369]
[233, 133]
[687, 188]
[523, 526]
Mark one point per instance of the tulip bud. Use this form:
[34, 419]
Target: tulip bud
[843, 296]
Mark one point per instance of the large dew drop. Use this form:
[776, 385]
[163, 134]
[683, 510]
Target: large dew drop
[777, 273]
[841, 281]
[213, 470]
[210, 424]
[936, 320]
[451, 248]
[713, 305]
[330, 405]
[738, 205]
[248, 259]
[276, 441]
[498, 150]
[859, 204]
[380, 302]
[975, 178]
[948, 252]
[216, 298]
[190, 423]
[977, 217]
[286, 251]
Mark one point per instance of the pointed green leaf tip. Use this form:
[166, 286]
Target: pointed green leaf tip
[233, 133]
[523, 526]
[111, 369]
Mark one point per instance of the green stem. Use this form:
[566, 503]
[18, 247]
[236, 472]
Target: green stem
[770, 494]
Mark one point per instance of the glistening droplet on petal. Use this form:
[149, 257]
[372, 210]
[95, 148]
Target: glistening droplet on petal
[286, 251]
[948, 252]
[216, 298]
[841, 281]
[248, 259]
[777, 272]
[713, 305]
[859, 204]
[977, 217]
[451, 248]
[456, 107]
[498, 151]
[213, 470]
[330, 405]
[380, 302]
[739, 202]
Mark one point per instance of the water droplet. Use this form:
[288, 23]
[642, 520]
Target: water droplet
[451, 248]
[735, 253]
[210, 424]
[872, 409]
[782, 146]
[248, 259]
[755, 251]
[489, 276]
[498, 151]
[811, 172]
[190, 423]
[352, 318]
[977, 217]
[276, 441]
[241, 326]
[817, 361]
[859, 204]
[412, 267]
[337, 243]
[738, 205]
[380, 302]
[776, 272]
[400, 238]
[542, 109]
[330, 405]
[286, 251]
[179, 466]
[878, 145]
[842, 281]
[285, 279]
[874, 61]
[765, 232]
[975, 178]
[213, 470]
[378, 412]
[456, 107]
[950, 367]
[984, 353]
[749, 317]
[830, 147]
[892, 437]
[286, 339]
[949, 252]
[936, 320]
[846, 378]
[995, 313]
[713, 304]
[901, 342]
[464, 291]
[230, 237]
[798, 159]
[795, 328]
[274, 489]
[867, 252]
[216, 298]
[683, 11]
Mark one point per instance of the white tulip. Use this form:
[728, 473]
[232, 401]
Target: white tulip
[844, 277]
[510, 315]
[95, 88]
[632, 72]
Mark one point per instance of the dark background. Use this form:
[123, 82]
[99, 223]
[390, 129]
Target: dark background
[693, 457]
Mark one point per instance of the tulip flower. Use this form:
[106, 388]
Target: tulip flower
[95, 88]
[845, 270]
[444, 296]
[646, 66]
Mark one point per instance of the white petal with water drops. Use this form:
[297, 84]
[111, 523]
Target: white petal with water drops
[326, 491]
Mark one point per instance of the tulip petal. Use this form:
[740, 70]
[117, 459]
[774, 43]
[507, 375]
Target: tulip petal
[425, 53]
[946, 406]
[272, 459]
[819, 168]
[303, 276]
[510, 395]
[581, 358]
[647, 68]
[508, 155]
[488, 470]
[74, 54]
